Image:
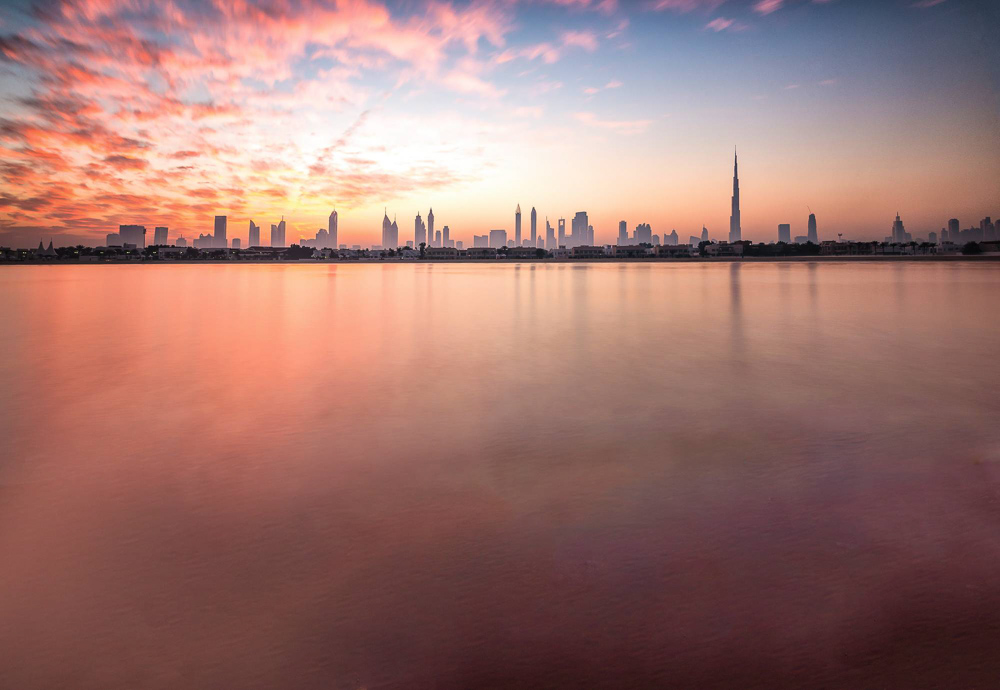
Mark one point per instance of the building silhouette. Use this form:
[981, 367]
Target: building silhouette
[437, 236]
[534, 227]
[253, 239]
[811, 232]
[133, 234]
[550, 235]
[517, 226]
[671, 239]
[953, 229]
[480, 241]
[159, 236]
[704, 234]
[899, 234]
[735, 229]
[430, 227]
[579, 229]
[498, 238]
[221, 241]
[446, 240]
[236, 243]
[419, 231]
[113, 239]
[643, 233]
[622, 233]
[785, 233]
[331, 230]
[278, 233]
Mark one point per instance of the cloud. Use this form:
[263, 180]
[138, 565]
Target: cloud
[619, 126]
[927, 3]
[582, 39]
[613, 84]
[721, 24]
[766, 7]
[827, 82]
[686, 5]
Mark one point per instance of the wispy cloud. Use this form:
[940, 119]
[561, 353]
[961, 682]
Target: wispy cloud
[725, 24]
[619, 126]
[928, 3]
[766, 7]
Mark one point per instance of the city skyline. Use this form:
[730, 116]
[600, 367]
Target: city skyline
[120, 113]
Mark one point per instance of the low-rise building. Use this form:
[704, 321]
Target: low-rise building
[588, 252]
[480, 253]
[440, 253]
[676, 251]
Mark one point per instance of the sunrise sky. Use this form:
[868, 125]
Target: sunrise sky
[168, 112]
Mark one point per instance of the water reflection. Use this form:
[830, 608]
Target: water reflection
[455, 476]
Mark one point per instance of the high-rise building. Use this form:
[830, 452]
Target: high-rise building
[735, 229]
[221, 241]
[578, 230]
[133, 234]
[562, 233]
[446, 237]
[419, 231]
[811, 233]
[590, 235]
[932, 238]
[622, 233]
[180, 242]
[278, 233]
[643, 233]
[113, 239]
[498, 238]
[899, 234]
[704, 234]
[331, 230]
[386, 229]
[550, 235]
[671, 239]
[430, 226]
[236, 243]
[785, 233]
[253, 239]
[953, 229]
[437, 239]
[480, 241]
[159, 236]
[517, 226]
[534, 227]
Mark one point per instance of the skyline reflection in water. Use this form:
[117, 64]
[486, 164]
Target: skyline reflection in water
[588, 475]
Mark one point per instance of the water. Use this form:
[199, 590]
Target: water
[453, 476]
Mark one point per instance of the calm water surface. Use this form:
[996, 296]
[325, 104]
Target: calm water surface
[458, 476]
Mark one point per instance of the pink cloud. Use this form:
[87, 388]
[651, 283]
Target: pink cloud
[619, 126]
[766, 7]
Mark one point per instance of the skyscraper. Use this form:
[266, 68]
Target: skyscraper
[253, 240]
[133, 234]
[517, 226]
[622, 233]
[498, 238]
[812, 234]
[953, 230]
[221, 242]
[430, 227]
[331, 230]
[446, 237]
[550, 235]
[386, 229]
[278, 233]
[704, 234]
[899, 234]
[562, 233]
[643, 233]
[579, 235]
[671, 239]
[785, 233]
[590, 235]
[159, 236]
[735, 230]
[419, 232]
[534, 227]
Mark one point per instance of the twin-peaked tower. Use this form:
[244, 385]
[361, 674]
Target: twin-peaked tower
[735, 232]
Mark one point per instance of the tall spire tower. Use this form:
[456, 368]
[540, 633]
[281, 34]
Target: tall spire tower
[735, 231]
[517, 226]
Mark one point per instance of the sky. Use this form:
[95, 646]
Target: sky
[168, 112]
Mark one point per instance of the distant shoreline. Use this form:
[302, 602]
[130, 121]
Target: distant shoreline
[653, 260]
